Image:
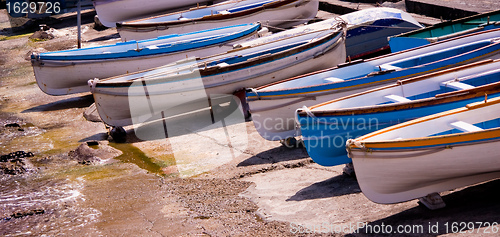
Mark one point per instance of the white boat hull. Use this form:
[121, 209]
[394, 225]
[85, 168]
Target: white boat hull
[390, 177]
[62, 78]
[429, 155]
[114, 107]
[282, 17]
[274, 120]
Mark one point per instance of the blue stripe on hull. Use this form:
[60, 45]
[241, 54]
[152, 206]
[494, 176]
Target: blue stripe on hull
[450, 58]
[162, 49]
[347, 127]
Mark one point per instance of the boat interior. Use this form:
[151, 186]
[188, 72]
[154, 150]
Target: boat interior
[458, 27]
[421, 89]
[151, 46]
[465, 121]
[222, 8]
[344, 74]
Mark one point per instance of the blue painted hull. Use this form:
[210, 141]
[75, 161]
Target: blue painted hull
[325, 143]
[162, 43]
[325, 136]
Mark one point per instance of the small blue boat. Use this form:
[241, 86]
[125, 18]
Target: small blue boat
[67, 72]
[445, 30]
[273, 106]
[368, 30]
[326, 127]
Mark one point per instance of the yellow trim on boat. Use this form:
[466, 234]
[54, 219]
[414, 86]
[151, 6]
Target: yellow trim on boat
[396, 78]
[408, 81]
[426, 141]
[436, 140]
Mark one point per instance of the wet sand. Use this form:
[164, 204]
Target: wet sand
[202, 187]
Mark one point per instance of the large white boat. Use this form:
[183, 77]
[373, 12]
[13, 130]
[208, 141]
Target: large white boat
[122, 99]
[429, 155]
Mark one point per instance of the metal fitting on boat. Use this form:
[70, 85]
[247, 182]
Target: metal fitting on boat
[92, 83]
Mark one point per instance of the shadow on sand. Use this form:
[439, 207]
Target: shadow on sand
[275, 155]
[339, 185]
[75, 102]
[474, 206]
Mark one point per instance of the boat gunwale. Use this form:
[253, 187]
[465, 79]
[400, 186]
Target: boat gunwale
[144, 27]
[423, 141]
[246, 30]
[105, 80]
[405, 82]
[209, 71]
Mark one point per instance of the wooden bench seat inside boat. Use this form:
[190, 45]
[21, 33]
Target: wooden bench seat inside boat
[397, 98]
[465, 127]
[457, 85]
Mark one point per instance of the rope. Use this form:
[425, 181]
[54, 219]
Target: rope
[298, 131]
[92, 83]
[351, 142]
[308, 112]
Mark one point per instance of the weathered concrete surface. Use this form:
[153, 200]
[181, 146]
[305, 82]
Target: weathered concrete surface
[324, 15]
[451, 9]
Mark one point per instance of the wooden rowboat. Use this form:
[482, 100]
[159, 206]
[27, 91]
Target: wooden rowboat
[326, 127]
[429, 155]
[271, 13]
[67, 72]
[112, 11]
[123, 100]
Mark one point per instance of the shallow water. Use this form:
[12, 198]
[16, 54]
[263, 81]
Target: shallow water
[134, 155]
[35, 205]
